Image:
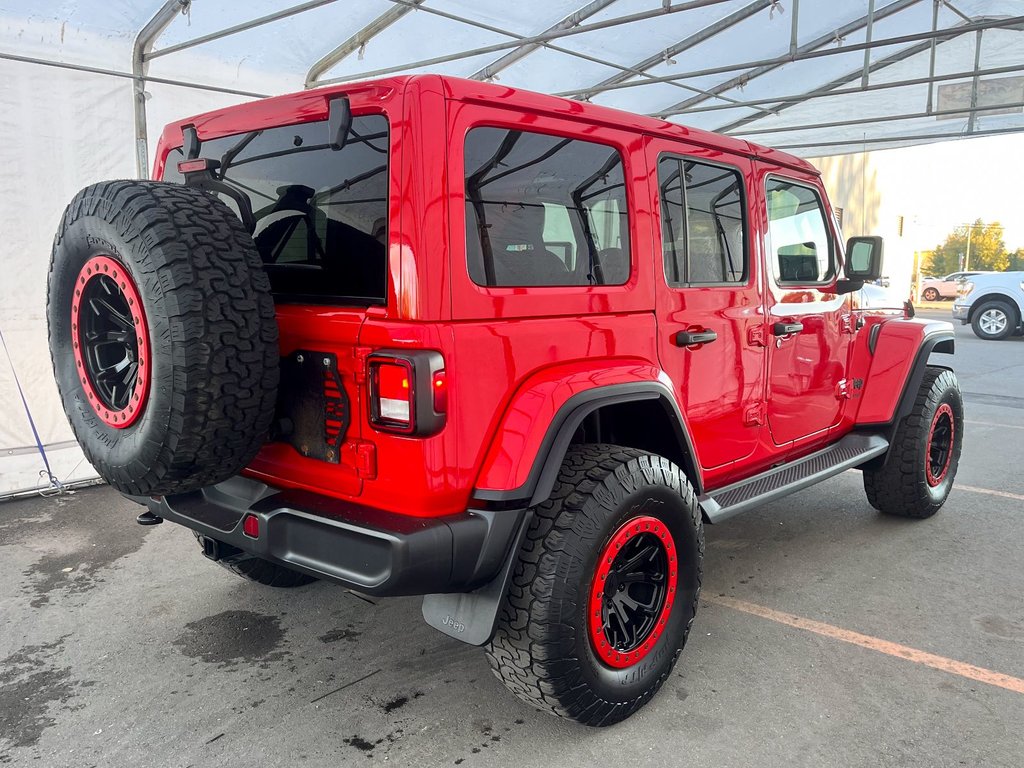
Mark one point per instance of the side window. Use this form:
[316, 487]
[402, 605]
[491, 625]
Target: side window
[702, 227]
[544, 210]
[798, 239]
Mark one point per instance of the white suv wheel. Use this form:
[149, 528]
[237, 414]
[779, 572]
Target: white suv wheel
[993, 321]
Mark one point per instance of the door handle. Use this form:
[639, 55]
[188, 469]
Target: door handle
[688, 338]
[785, 329]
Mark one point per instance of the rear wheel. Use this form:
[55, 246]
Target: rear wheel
[930, 294]
[918, 472]
[605, 589]
[993, 321]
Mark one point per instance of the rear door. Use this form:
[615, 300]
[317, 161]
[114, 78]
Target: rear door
[710, 314]
[319, 218]
[809, 324]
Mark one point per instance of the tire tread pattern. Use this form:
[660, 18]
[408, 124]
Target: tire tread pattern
[522, 651]
[898, 487]
[201, 273]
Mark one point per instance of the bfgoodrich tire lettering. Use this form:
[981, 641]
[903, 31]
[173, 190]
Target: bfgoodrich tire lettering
[541, 649]
[210, 335]
[918, 473]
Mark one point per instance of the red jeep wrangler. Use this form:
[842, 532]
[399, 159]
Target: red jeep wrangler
[428, 336]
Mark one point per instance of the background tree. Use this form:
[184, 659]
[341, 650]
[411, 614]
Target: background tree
[988, 251]
[1017, 260]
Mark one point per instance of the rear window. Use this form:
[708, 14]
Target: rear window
[320, 215]
[544, 210]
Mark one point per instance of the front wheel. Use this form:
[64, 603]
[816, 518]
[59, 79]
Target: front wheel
[605, 589]
[917, 473]
[993, 321]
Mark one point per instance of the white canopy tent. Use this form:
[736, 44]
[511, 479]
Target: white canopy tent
[84, 84]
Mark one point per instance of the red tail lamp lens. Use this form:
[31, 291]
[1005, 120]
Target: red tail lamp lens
[251, 526]
[440, 392]
[392, 393]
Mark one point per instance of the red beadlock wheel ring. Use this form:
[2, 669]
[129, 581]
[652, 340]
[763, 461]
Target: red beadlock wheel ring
[111, 341]
[632, 592]
[938, 453]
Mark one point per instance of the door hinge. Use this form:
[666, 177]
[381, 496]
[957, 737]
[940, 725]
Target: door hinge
[756, 336]
[753, 416]
[843, 390]
[846, 324]
[360, 354]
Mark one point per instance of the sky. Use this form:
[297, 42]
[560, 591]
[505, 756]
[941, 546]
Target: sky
[957, 182]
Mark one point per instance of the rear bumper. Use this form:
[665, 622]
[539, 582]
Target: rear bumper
[367, 549]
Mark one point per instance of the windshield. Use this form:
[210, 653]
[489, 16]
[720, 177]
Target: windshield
[319, 214]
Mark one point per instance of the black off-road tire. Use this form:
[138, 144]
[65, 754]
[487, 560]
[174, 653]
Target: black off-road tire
[992, 311]
[259, 570]
[904, 484]
[211, 334]
[541, 649]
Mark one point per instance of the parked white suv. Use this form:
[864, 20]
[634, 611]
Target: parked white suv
[935, 288]
[993, 303]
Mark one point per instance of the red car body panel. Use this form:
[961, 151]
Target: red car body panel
[514, 356]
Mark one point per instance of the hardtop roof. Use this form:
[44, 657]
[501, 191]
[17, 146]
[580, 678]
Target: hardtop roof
[312, 105]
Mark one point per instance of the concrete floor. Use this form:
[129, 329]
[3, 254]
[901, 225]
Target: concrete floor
[122, 646]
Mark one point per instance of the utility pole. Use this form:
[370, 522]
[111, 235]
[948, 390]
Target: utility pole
[967, 259]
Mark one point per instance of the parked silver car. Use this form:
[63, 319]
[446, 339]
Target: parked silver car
[993, 303]
[935, 288]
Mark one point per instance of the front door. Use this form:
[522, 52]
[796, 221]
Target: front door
[710, 315]
[808, 322]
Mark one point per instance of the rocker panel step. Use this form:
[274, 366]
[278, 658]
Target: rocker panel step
[849, 452]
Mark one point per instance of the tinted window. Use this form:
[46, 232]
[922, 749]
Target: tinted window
[319, 215]
[544, 210]
[798, 238]
[702, 232]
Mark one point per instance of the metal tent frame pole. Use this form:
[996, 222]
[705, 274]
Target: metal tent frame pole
[143, 44]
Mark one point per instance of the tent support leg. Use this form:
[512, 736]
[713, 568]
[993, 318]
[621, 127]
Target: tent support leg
[143, 44]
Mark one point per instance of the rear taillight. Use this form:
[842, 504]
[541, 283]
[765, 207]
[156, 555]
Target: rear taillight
[392, 394]
[408, 392]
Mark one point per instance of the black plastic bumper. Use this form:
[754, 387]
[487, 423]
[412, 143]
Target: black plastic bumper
[367, 549]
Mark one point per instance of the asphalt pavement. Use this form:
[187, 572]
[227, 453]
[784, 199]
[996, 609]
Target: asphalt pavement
[830, 636]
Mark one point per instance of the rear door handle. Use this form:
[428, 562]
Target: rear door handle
[785, 329]
[688, 338]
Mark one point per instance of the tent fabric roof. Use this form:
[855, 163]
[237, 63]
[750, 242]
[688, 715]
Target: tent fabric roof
[814, 77]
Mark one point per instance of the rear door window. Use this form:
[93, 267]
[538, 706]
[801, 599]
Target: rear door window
[544, 210]
[320, 214]
[703, 234]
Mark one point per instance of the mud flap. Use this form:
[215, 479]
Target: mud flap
[471, 616]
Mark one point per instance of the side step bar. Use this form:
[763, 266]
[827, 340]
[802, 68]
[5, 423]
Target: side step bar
[851, 451]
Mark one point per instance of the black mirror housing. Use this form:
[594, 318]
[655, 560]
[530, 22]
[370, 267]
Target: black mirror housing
[863, 258]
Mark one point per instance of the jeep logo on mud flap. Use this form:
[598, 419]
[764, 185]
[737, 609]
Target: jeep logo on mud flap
[451, 621]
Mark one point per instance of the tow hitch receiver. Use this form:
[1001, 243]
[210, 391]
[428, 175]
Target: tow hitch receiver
[211, 548]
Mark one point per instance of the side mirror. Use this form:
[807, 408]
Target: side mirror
[863, 258]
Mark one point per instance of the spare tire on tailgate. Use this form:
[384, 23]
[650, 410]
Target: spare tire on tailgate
[162, 334]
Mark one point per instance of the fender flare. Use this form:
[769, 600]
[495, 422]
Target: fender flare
[940, 340]
[548, 461]
[937, 342]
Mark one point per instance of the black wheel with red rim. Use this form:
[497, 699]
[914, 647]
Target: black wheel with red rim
[111, 341]
[605, 589]
[917, 474]
[162, 335]
[633, 591]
